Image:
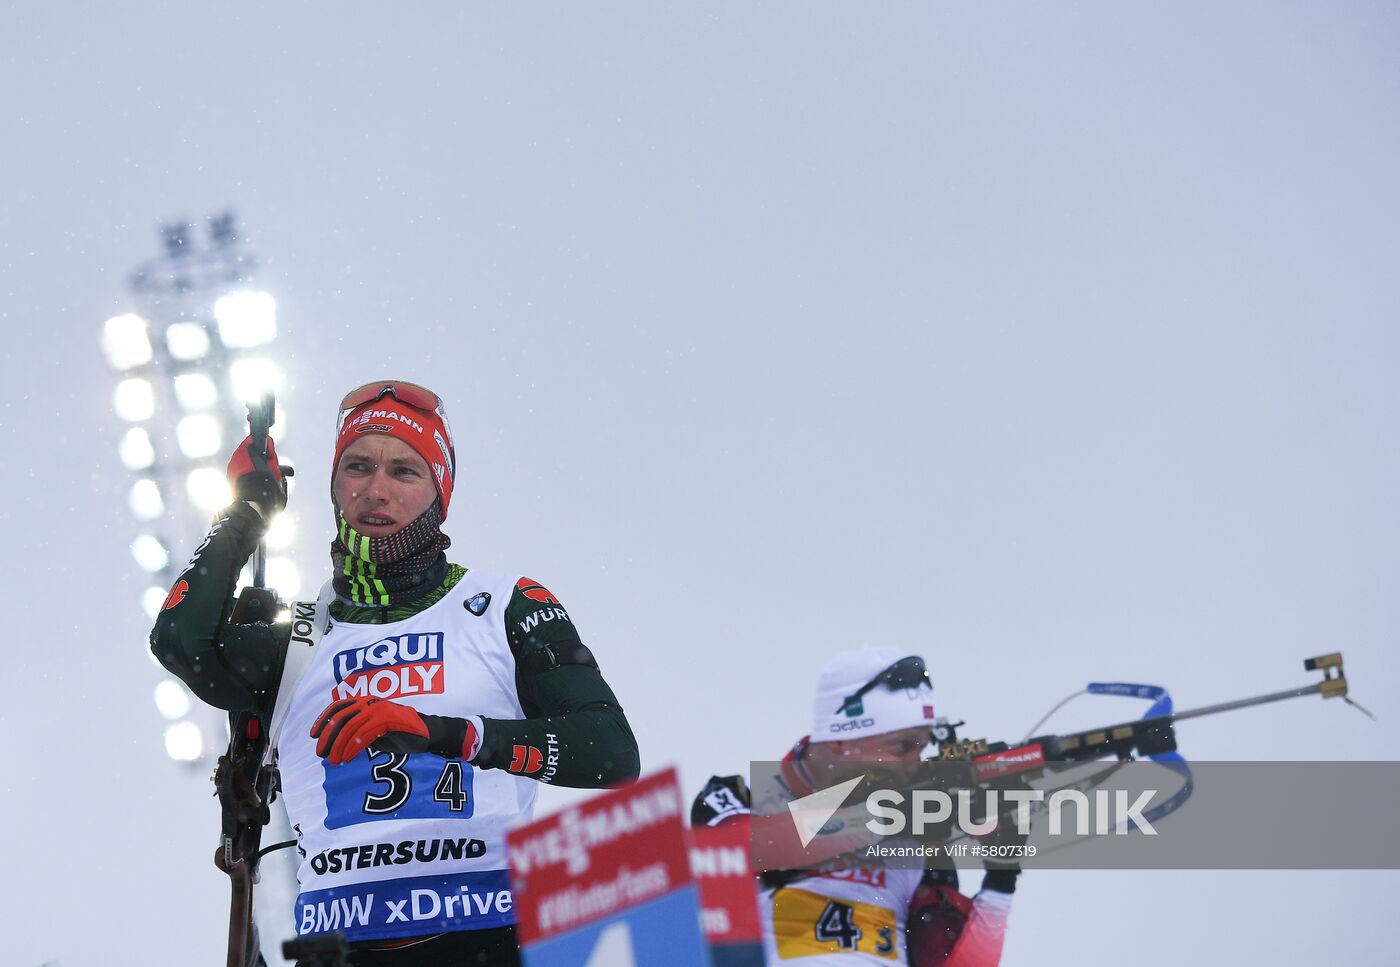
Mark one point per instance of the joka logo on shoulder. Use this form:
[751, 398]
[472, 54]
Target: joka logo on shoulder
[403, 665]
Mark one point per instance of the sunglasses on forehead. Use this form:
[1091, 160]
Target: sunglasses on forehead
[410, 394]
[906, 673]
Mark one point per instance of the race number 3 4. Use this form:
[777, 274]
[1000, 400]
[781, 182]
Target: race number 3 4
[385, 785]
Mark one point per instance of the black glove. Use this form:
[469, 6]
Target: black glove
[257, 479]
[722, 797]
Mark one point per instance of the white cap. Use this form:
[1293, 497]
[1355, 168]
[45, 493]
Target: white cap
[880, 710]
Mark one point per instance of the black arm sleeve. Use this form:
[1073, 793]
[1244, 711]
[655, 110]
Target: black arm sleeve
[228, 666]
[576, 733]
[583, 739]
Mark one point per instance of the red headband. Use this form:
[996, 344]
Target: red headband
[426, 432]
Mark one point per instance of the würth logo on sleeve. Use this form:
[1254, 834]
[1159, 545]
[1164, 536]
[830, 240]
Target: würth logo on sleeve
[535, 591]
[538, 592]
[403, 665]
[533, 620]
[176, 595]
[525, 759]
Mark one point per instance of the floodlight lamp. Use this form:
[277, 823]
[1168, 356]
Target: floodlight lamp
[125, 342]
[208, 488]
[145, 500]
[195, 391]
[135, 400]
[223, 229]
[199, 436]
[254, 376]
[187, 341]
[150, 553]
[281, 532]
[172, 700]
[282, 574]
[177, 238]
[136, 450]
[184, 742]
[246, 319]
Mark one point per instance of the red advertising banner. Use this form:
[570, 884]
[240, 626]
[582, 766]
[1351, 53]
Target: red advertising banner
[719, 858]
[599, 857]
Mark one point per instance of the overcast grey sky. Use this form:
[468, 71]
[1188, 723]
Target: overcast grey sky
[1051, 342]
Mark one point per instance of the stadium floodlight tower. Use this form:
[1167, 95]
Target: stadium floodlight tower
[186, 360]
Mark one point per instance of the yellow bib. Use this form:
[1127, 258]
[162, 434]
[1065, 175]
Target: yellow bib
[806, 924]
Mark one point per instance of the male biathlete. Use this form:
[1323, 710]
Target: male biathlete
[436, 699]
[873, 710]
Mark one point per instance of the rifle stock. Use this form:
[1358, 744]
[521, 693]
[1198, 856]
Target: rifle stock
[245, 790]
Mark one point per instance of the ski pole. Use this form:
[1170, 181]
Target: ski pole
[243, 786]
[261, 415]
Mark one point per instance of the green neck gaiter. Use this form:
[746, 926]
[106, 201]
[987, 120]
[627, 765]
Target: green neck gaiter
[388, 571]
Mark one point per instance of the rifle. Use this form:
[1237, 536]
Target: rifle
[1151, 736]
[244, 786]
[967, 765]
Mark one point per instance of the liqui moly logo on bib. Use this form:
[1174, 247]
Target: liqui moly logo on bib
[391, 667]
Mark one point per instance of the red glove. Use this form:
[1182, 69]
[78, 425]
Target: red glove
[346, 728]
[256, 479]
